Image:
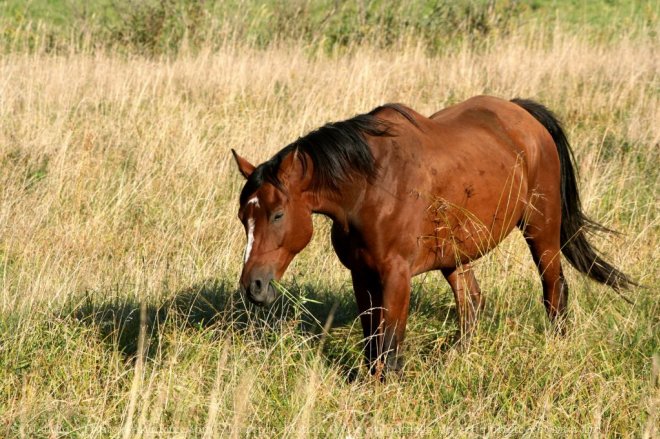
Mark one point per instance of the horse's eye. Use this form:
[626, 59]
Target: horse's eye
[278, 216]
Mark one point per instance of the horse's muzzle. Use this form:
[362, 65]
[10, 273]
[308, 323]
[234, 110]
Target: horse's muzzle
[259, 290]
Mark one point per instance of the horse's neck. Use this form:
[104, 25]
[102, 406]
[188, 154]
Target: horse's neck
[339, 206]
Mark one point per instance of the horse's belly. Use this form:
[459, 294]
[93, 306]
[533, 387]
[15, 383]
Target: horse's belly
[461, 236]
[471, 213]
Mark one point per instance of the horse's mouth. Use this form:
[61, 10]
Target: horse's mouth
[268, 299]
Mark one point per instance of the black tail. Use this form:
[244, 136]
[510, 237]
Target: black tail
[575, 225]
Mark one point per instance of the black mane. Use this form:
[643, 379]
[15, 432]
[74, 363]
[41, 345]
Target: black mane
[338, 152]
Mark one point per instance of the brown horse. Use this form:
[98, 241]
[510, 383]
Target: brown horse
[408, 194]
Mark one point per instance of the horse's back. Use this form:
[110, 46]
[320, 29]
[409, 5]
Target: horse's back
[511, 127]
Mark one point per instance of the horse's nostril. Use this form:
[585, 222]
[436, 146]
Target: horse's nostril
[256, 286]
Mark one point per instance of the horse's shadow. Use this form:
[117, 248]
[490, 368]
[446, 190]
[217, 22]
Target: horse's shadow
[211, 303]
[216, 305]
[118, 318]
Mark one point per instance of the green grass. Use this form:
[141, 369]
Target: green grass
[515, 378]
[164, 27]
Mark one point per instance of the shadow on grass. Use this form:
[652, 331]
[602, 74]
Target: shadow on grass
[216, 305]
[117, 317]
[211, 303]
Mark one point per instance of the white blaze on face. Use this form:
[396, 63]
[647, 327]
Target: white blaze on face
[250, 239]
[254, 200]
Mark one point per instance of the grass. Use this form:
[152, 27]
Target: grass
[120, 249]
[164, 27]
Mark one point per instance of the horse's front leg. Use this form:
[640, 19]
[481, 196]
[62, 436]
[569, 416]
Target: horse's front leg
[395, 281]
[369, 299]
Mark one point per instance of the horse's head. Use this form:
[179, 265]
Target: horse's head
[276, 211]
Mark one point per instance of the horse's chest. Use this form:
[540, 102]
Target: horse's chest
[350, 248]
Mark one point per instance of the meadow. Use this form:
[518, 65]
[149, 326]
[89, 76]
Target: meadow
[120, 248]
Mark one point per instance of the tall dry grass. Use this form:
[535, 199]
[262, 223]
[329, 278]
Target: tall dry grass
[118, 189]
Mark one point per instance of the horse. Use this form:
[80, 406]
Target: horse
[408, 194]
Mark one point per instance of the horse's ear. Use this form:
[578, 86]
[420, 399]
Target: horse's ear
[246, 168]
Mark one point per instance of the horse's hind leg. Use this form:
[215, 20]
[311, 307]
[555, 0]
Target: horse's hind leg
[467, 295]
[542, 235]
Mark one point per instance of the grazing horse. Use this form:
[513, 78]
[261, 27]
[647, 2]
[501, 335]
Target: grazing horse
[408, 194]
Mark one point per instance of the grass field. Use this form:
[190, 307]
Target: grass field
[120, 249]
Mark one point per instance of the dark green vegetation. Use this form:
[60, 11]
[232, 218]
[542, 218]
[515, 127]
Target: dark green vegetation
[165, 26]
